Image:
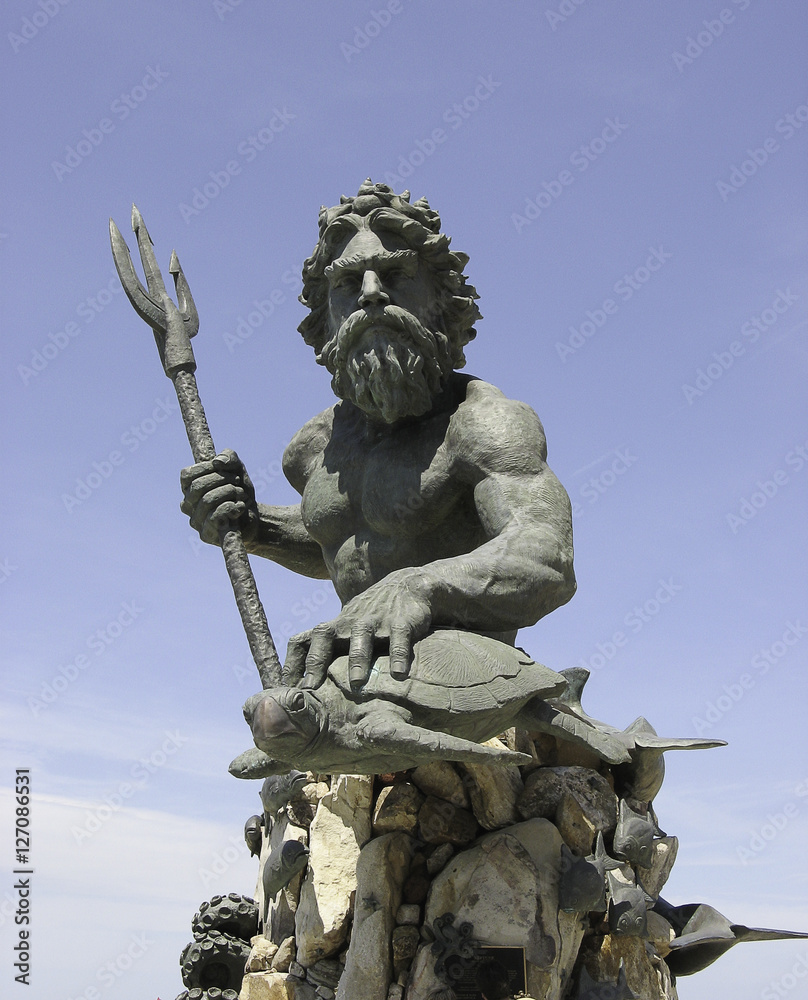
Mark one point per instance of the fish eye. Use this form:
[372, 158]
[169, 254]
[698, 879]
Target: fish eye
[297, 702]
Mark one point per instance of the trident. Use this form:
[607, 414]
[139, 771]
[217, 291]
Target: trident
[173, 328]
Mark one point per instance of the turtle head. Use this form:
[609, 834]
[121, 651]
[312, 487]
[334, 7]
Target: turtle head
[283, 720]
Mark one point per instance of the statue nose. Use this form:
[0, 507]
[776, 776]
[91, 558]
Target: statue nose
[372, 291]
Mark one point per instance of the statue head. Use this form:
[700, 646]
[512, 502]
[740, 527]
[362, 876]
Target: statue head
[391, 310]
[283, 720]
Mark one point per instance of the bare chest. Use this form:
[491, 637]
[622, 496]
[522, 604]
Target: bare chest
[398, 488]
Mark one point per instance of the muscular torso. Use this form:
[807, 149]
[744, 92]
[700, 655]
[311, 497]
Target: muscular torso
[377, 500]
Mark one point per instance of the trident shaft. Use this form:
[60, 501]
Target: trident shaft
[173, 328]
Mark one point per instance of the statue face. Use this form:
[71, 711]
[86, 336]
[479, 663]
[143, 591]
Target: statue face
[385, 351]
[374, 270]
[282, 720]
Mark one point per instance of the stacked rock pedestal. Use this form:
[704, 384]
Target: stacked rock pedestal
[411, 874]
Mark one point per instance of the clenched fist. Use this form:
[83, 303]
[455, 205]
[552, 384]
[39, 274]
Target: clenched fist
[219, 492]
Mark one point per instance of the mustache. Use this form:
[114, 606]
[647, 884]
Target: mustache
[358, 323]
[390, 318]
[336, 352]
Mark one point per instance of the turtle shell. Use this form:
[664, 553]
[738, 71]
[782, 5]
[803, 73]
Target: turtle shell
[456, 672]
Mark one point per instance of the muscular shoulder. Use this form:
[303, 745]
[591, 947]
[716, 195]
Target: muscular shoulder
[306, 446]
[490, 433]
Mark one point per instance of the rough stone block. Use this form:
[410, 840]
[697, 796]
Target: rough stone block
[493, 792]
[326, 972]
[546, 787]
[262, 954]
[274, 986]
[441, 822]
[575, 826]
[439, 778]
[654, 878]
[381, 870]
[337, 833]
[397, 809]
[509, 899]
[438, 859]
[408, 914]
[641, 972]
[285, 955]
[405, 944]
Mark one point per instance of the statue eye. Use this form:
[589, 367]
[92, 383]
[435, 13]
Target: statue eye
[297, 702]
[348, 279]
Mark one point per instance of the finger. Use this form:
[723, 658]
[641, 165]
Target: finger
[400, 651]
[216, 505]
[226, 461]
[319, 657]
[360, 653]
[196, 489]
[192, 472]
[229, 465]
[295, 662]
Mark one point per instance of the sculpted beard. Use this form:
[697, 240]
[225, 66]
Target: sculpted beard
[388, 365]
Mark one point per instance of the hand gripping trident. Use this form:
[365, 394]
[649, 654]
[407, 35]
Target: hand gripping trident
[173, 329]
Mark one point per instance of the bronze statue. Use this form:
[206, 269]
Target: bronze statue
[425, 497]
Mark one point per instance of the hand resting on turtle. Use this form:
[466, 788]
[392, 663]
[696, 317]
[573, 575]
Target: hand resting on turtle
[395, 609]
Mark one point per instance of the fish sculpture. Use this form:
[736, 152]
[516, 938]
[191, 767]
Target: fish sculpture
[276, 791]
[640, 777]
[281, 868]
[582, 885]
[628, 908]
[253, 835]
[634, 837]
[703, 935]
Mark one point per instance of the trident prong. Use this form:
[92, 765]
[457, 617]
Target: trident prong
[145, 244]
[185, 300]
[148, 304]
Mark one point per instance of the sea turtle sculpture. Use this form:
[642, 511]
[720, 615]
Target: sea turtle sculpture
[462, 689]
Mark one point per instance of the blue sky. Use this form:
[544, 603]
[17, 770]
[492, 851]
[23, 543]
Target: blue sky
[629, 182]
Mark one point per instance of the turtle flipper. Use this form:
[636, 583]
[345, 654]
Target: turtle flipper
[540, 715]
[402, 740]
[254, 763]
